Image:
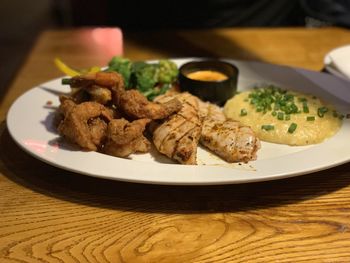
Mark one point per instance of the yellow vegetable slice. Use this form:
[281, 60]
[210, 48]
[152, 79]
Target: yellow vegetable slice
[66, 69]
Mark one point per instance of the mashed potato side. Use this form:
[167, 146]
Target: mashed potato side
[298, 119]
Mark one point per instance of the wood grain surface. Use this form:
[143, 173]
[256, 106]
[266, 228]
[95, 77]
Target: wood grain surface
[51, 215]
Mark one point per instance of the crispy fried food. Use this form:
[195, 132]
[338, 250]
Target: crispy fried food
[99, 94]
[95, 87]
[177, 137]
[104, 86]
[227, 138]
[84, 124]
[105, 79]
[136, 106]
[125, 138]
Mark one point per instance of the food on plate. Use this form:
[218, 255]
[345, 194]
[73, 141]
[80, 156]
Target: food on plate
[108, 87]
[73, 72]
[124, 138]
[283, 116]
[177, 136]
[84, 124]
[89, 123]
[104, 113]
[229, 139]
[210, 80]
[207, 75]
[136, 106]
[99, 87]
[151, 79]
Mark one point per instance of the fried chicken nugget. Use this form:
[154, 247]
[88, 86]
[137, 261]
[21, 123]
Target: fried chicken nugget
[125, 138]
[136, 106]
[84, 124]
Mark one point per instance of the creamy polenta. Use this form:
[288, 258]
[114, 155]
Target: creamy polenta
[284, 117]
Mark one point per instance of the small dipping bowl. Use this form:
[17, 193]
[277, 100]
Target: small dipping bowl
[210, 80]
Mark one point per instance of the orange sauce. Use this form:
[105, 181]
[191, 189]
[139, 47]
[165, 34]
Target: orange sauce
[207, 75]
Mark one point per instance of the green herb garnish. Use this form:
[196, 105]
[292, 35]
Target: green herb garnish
[243, 112]
[267, 127]
[292, 127]
[280, 116]
[151, 79]
[321, 111]
[310, 118]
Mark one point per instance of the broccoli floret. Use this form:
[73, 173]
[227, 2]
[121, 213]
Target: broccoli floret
[167, 71]
[123, 67]
[145, 76]
[151, 79]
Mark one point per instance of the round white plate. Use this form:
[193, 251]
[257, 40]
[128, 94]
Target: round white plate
[30, 123]
[329, 64]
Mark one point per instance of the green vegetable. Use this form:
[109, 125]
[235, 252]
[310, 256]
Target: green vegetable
[267, 127]
[292, 127]
[66, 81]
[310, 118]
[273, 98]
[321, 111]
[243, 112]
[122, 66]
[305, 107]
[145, 76]
[151, 79]
[280, 115]
[167, 71]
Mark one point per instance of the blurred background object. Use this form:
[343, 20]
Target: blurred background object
[22, 21]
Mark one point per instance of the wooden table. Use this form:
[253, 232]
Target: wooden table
[51, 215]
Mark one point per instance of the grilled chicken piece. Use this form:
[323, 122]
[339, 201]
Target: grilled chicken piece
[227, 138]
[177, 137]
[125, 138]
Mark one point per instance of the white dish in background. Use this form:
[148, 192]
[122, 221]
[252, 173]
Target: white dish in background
[30, 123]
[337, 62]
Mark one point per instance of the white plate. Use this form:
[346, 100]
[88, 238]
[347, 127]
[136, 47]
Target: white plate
[341, 54]
[30, 123]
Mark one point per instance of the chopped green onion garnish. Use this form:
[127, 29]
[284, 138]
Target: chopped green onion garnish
[66, 81]
[287, 118]
[292, 127]
[280, 116]
[310, 118]
[243, 112]
[274, 113]
[267, 127]
[305, 109]
[321, 111]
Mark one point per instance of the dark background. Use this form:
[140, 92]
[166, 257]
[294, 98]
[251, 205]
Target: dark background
[22, 21]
